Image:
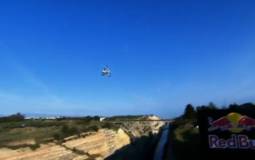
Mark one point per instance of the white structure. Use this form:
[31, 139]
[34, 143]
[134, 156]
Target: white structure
[101, 119]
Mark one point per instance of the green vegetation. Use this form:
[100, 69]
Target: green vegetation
[13, 118]
[17, 132]
[186, 140]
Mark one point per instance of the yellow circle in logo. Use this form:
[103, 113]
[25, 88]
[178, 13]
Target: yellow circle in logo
[234, 118]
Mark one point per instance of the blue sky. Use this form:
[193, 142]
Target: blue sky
[163, 55]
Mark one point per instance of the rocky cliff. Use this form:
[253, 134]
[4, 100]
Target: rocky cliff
[88, 146]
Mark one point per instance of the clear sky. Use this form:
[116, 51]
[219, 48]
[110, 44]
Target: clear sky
[163, 55]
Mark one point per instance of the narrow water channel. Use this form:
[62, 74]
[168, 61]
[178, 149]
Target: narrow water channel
[159, 152]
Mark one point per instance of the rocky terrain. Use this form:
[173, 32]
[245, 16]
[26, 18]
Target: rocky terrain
[87, 146]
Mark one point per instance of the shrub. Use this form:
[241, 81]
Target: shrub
[35, 146]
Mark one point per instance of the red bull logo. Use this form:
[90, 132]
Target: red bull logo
[233, 122]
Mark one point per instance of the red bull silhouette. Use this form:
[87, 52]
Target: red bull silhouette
[247, 123]
[222, 124]
[233, 122]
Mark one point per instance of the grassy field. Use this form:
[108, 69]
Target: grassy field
[184, 141]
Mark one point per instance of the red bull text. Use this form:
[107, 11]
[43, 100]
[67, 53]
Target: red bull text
[235, 142]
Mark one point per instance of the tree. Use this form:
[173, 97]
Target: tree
[16, 117]
[233, 106]
[189, 112]
[211, 105]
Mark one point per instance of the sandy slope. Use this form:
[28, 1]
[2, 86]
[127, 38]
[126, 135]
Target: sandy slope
[99, 144]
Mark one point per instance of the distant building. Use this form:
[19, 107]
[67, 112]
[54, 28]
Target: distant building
[52, 117]
[36, 117]
[153, 117]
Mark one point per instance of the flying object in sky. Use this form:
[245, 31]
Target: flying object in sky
[106, 72]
